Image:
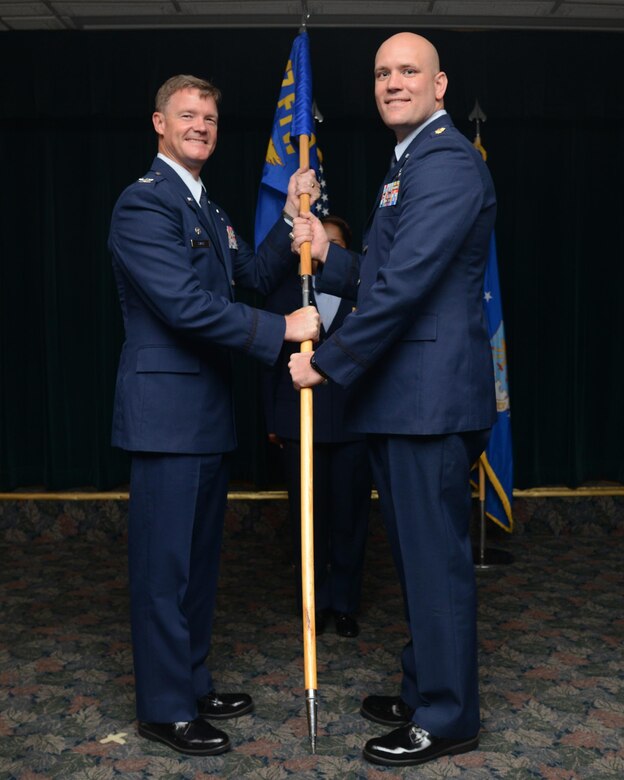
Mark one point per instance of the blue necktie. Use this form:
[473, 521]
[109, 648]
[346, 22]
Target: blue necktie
[203, 203]
[212, 228]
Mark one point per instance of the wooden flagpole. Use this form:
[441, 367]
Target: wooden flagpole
[307, 507]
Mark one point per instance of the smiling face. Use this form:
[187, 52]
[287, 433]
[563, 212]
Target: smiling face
[187, 128]
[409, 86]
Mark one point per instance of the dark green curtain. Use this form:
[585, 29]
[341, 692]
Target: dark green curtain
[75, 130]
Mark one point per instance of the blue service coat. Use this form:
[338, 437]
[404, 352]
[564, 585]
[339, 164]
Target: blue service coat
[173, 392]
[419, 338]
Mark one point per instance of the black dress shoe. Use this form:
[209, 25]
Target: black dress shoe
[410, 745]
[388, 710]
[346, 625]
[219, 706]
[195, 738]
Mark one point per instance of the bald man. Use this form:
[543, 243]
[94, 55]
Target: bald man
[417, 357]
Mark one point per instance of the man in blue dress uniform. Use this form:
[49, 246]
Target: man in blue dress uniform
[176, 258]
[417, 355]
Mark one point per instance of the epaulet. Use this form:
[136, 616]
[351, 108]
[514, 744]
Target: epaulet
[151, 177]
[439, 131]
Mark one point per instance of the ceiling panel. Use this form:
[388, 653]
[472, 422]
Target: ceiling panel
[145, 14]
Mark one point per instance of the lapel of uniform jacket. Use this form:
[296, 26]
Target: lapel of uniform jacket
[218, 231]
[395, 170]
[216, 236]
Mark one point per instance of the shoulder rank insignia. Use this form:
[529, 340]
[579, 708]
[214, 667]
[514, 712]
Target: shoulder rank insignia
[145, 180]
[440, 130]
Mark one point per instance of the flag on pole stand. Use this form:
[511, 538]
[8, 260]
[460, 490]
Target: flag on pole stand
[497, 460]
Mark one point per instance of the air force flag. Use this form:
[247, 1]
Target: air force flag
[293, 117]
[498, 459]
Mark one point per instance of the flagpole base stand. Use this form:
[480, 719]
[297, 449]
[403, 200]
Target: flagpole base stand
[490, 557]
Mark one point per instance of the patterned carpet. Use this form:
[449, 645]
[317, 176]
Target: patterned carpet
[551, 636]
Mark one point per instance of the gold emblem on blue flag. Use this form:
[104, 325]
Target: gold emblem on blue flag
[293, 117]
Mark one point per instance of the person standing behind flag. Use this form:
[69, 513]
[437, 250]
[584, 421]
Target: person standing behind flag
[417, 356]
[342, 480]
[176, 258]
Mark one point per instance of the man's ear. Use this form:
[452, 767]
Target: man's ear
[441, 83]
[158, 120]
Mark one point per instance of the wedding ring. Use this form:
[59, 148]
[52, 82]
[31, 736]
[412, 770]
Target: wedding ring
[291, 236]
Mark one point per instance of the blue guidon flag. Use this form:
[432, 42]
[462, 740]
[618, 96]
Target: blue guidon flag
[498, 458]
[293, 117]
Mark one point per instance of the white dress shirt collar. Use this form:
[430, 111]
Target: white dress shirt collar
[401, 147]
[195, 185]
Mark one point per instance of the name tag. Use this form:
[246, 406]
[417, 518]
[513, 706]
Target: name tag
[390, 194]
[200, 243]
